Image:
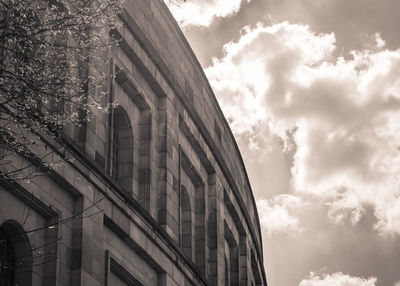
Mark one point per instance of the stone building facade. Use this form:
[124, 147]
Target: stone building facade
[155, 193]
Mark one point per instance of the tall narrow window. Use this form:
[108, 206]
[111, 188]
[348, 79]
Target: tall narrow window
[122, 150]
[7, 259]
[116, 154]
[15, 255]
[187, 225]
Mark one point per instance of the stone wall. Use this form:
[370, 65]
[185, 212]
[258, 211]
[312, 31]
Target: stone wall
[156, 192]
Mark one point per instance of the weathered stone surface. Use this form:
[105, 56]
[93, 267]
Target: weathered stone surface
[167, 201]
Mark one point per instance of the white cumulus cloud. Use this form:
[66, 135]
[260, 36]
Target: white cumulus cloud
[202, 12]
[280, 213]
[337, 279]
[345, 109]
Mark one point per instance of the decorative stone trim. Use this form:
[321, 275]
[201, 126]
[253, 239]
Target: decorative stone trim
[113, 266]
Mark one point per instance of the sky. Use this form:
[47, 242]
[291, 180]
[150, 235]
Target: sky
[311, 90]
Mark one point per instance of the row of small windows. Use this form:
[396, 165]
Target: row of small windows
[191, 234]
[191, 200]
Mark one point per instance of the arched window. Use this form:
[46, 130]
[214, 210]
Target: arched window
[7, 259]
[122, 151]
[187, 225]
[15, 255]
[232, 254]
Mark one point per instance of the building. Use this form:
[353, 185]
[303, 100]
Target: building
[155, 193]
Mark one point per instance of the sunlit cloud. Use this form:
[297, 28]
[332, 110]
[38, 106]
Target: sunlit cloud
[337, 279]
[380, 43]
[345, 206]
[344, 108]
[280, 213]
[202, 12]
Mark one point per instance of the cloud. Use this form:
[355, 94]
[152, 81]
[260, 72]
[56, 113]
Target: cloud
[345, 206]
[202, 12]
[344, 113]
[279, 214]
[337, 279]
[354, 23]
[380, 43]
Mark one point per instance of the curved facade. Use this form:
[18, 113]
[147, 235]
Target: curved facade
[156, 192]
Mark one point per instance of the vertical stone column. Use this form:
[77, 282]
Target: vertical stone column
[212, 242]
[217, 203]
[162, 161]
[220, 232]
[76, 245]
[234, 264]
[200, 228]
[243, 260]
[144, 158]
[50, 250]
[87, 255]
[168, 166]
